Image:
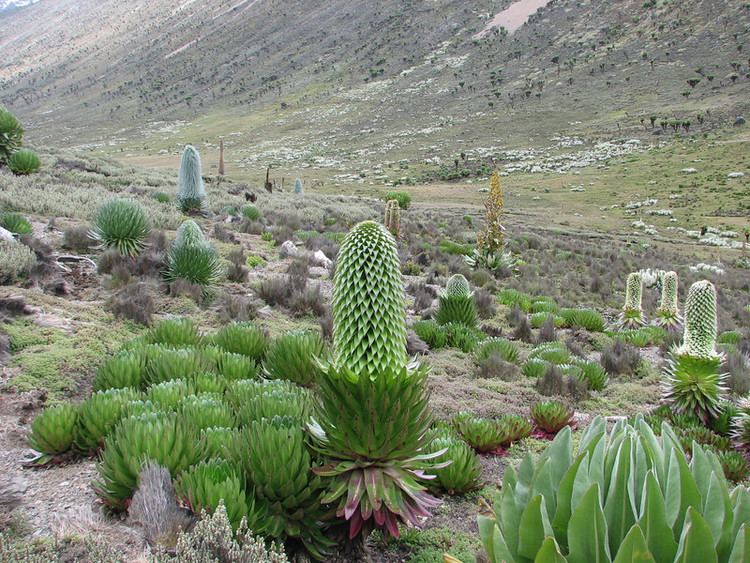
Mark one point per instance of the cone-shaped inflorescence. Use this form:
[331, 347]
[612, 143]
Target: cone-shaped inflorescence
[668, 314]
[457, 303]
[189, 233]
[298, 188]
[392, 219]
[694, 383]
[632, 313]
[191, 193]
[457, 285]
[369, 332]
[492, 238]
[372, 413]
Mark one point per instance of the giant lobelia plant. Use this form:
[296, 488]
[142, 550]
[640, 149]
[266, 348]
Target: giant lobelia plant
[694, 382]
[667, 314]
[631, 315]
[626, 496]
[372, 413]
[191, 193]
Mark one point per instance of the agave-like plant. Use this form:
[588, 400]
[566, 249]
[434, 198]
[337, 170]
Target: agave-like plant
[243, 338]
[295, 356]
[535, 367]
[631, 315]
[15, 223]
[215, 441]
[191, 193]
[553, 352]
[592, 373]
[121, 224]
[279, 469]
[11, 135]
[551, 416]
[53, 431]
[24, 161]
[161, 437]
[482, 434]
[694, 382]
[457, 303]
[168, 395]
[668, 315]
[273, 401]
[234, 367]
[205, 485]
[504, 348]
[206, 410]
[99, 414]
[165, 364]
[198, 264]
[178, 333]
[463, 470]
[625, 496]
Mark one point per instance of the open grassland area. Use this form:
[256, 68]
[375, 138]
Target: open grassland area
[208, 327]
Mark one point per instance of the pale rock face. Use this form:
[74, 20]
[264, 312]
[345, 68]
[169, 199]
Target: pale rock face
[736, 175]
[321, 259]
[5, 234]
[288, 248]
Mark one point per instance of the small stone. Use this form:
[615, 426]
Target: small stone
[288, 248]
[739, 121]
[321, 259]
[736, 175]
[5, 234]
[689, 170]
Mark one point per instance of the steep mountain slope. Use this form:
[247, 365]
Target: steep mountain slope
[356, 80]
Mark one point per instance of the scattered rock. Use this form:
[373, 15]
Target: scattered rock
[736, 175]
[739, 121]
[319, 258]
[265, 312]
[5, 234]
[689, 170]
[12, 490]
[317, 272]
[288, 248]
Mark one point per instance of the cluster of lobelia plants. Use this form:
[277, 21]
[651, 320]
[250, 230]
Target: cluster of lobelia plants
[667, 314]
[291, 439]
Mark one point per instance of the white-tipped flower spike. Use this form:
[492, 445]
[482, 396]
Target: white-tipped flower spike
[694, 383]
[189, 233]
[191, 193]
[668, 314]
[632, 313]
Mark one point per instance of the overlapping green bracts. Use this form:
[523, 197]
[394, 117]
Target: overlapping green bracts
[52, 432]
[694, 382]
[631, 315]
[162, 437]
[457, 285]
[700, 321]
[668, 314]
[457, 303]
[189, 233]
[191, 193]
[279, 468]
[627, 496]
[371, 430]
[369, 333]
[99, 414]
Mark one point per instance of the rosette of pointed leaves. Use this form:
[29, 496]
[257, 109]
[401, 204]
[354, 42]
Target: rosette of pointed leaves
[369, 326]
[168, 395]
[99, 414]
[15, 223]
[371, 430]
[216, 441]
[292, 403]
[243, 338]
[177, 332]
[191, 193]
[667, 314]
[11, 135]
[206, 410]
[279, 469]
[504, 348]
[462, 472]
[165, 364]
[206, 484]
[160, 437]
[551, 416]
[121, 224]
[734, 465]
[625, 496]
[457, 303]
[295, 356]
[592, 374]
[554, 352]
[482, 434]
[515, 427]
[244, 390]
[694, 382]
[125, 369]
[53, 430]
[198, 264]
[24, 161]
[535, 367]
[234, 367]
[631, 315]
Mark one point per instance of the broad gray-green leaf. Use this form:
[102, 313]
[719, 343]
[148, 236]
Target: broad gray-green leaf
[587, 531]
